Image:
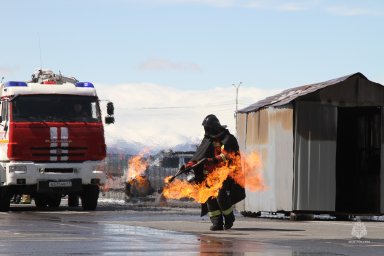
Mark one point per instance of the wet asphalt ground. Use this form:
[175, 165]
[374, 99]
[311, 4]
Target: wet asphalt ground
[117, 228]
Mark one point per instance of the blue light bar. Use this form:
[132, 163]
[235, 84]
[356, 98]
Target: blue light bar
[15, 84]
[84, 84]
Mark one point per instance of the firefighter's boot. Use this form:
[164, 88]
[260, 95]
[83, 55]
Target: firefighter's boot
[217, 223]
[229, 219]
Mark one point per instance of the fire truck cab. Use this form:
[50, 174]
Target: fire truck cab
[51, 141]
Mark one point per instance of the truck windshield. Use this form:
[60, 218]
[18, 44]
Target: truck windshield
[55, 108]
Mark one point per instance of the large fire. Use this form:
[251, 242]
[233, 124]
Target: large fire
[135, 174]
[137, 165]
[137, 183]
[244, 169]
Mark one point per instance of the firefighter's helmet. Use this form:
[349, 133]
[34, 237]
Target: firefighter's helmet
[211, 121]
[212, 125]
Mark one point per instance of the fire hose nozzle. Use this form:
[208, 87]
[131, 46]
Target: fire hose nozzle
[185, 170]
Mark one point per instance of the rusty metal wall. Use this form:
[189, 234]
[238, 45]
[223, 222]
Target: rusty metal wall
[315, 157]
[241, 133]
[241, 125]
[352, 92]
[269, 132]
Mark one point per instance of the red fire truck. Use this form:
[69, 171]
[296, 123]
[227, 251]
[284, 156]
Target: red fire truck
[51, 141]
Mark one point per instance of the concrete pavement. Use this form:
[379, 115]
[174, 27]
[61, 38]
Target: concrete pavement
[278, 236]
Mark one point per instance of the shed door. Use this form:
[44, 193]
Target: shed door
[358, 160]
[315, 157]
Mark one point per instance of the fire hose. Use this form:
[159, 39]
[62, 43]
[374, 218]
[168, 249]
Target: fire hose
[182, 170]
[185, 170]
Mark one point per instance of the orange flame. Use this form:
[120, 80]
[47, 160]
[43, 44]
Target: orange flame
[105, 187]
[139, 184]
[251, 176]
[137, 165]
[245, 170]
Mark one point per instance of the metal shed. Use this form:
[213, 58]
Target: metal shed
[320, 147]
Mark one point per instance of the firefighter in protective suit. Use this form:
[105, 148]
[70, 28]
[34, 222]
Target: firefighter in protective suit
[217, 147]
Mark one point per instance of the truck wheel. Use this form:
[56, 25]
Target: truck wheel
[89, 197]
[5, 199]
[41, 201]
[73, 200]
[54, 201]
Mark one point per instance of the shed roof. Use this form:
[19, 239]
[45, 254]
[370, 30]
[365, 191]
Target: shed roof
[289, 95]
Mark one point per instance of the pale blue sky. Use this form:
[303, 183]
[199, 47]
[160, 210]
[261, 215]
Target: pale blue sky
[194, 43]
[166, 64]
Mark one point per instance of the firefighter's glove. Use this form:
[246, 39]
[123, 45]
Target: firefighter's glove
[190, 164]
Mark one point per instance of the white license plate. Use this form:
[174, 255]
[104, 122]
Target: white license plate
[59, 184]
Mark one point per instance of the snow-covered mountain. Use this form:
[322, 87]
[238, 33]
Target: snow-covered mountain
[134, 148]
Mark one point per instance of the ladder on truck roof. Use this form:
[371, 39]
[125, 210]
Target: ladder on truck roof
[46, 76]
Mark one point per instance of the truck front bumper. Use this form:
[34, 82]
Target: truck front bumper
[64, 186]
[29, 173]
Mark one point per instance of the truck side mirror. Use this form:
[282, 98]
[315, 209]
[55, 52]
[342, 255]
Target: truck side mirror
[110, 109]
[1, 119]
[109, 120]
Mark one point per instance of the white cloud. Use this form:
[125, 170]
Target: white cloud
[293, 7]
[285, 6]
[320, 5]
[258, 4]
[167, 65]
[346, 8]
[160, 116]
[214, 3]
[352, 11]
[217, 3]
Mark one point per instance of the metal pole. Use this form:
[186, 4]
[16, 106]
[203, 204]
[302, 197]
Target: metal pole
[237, 101]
